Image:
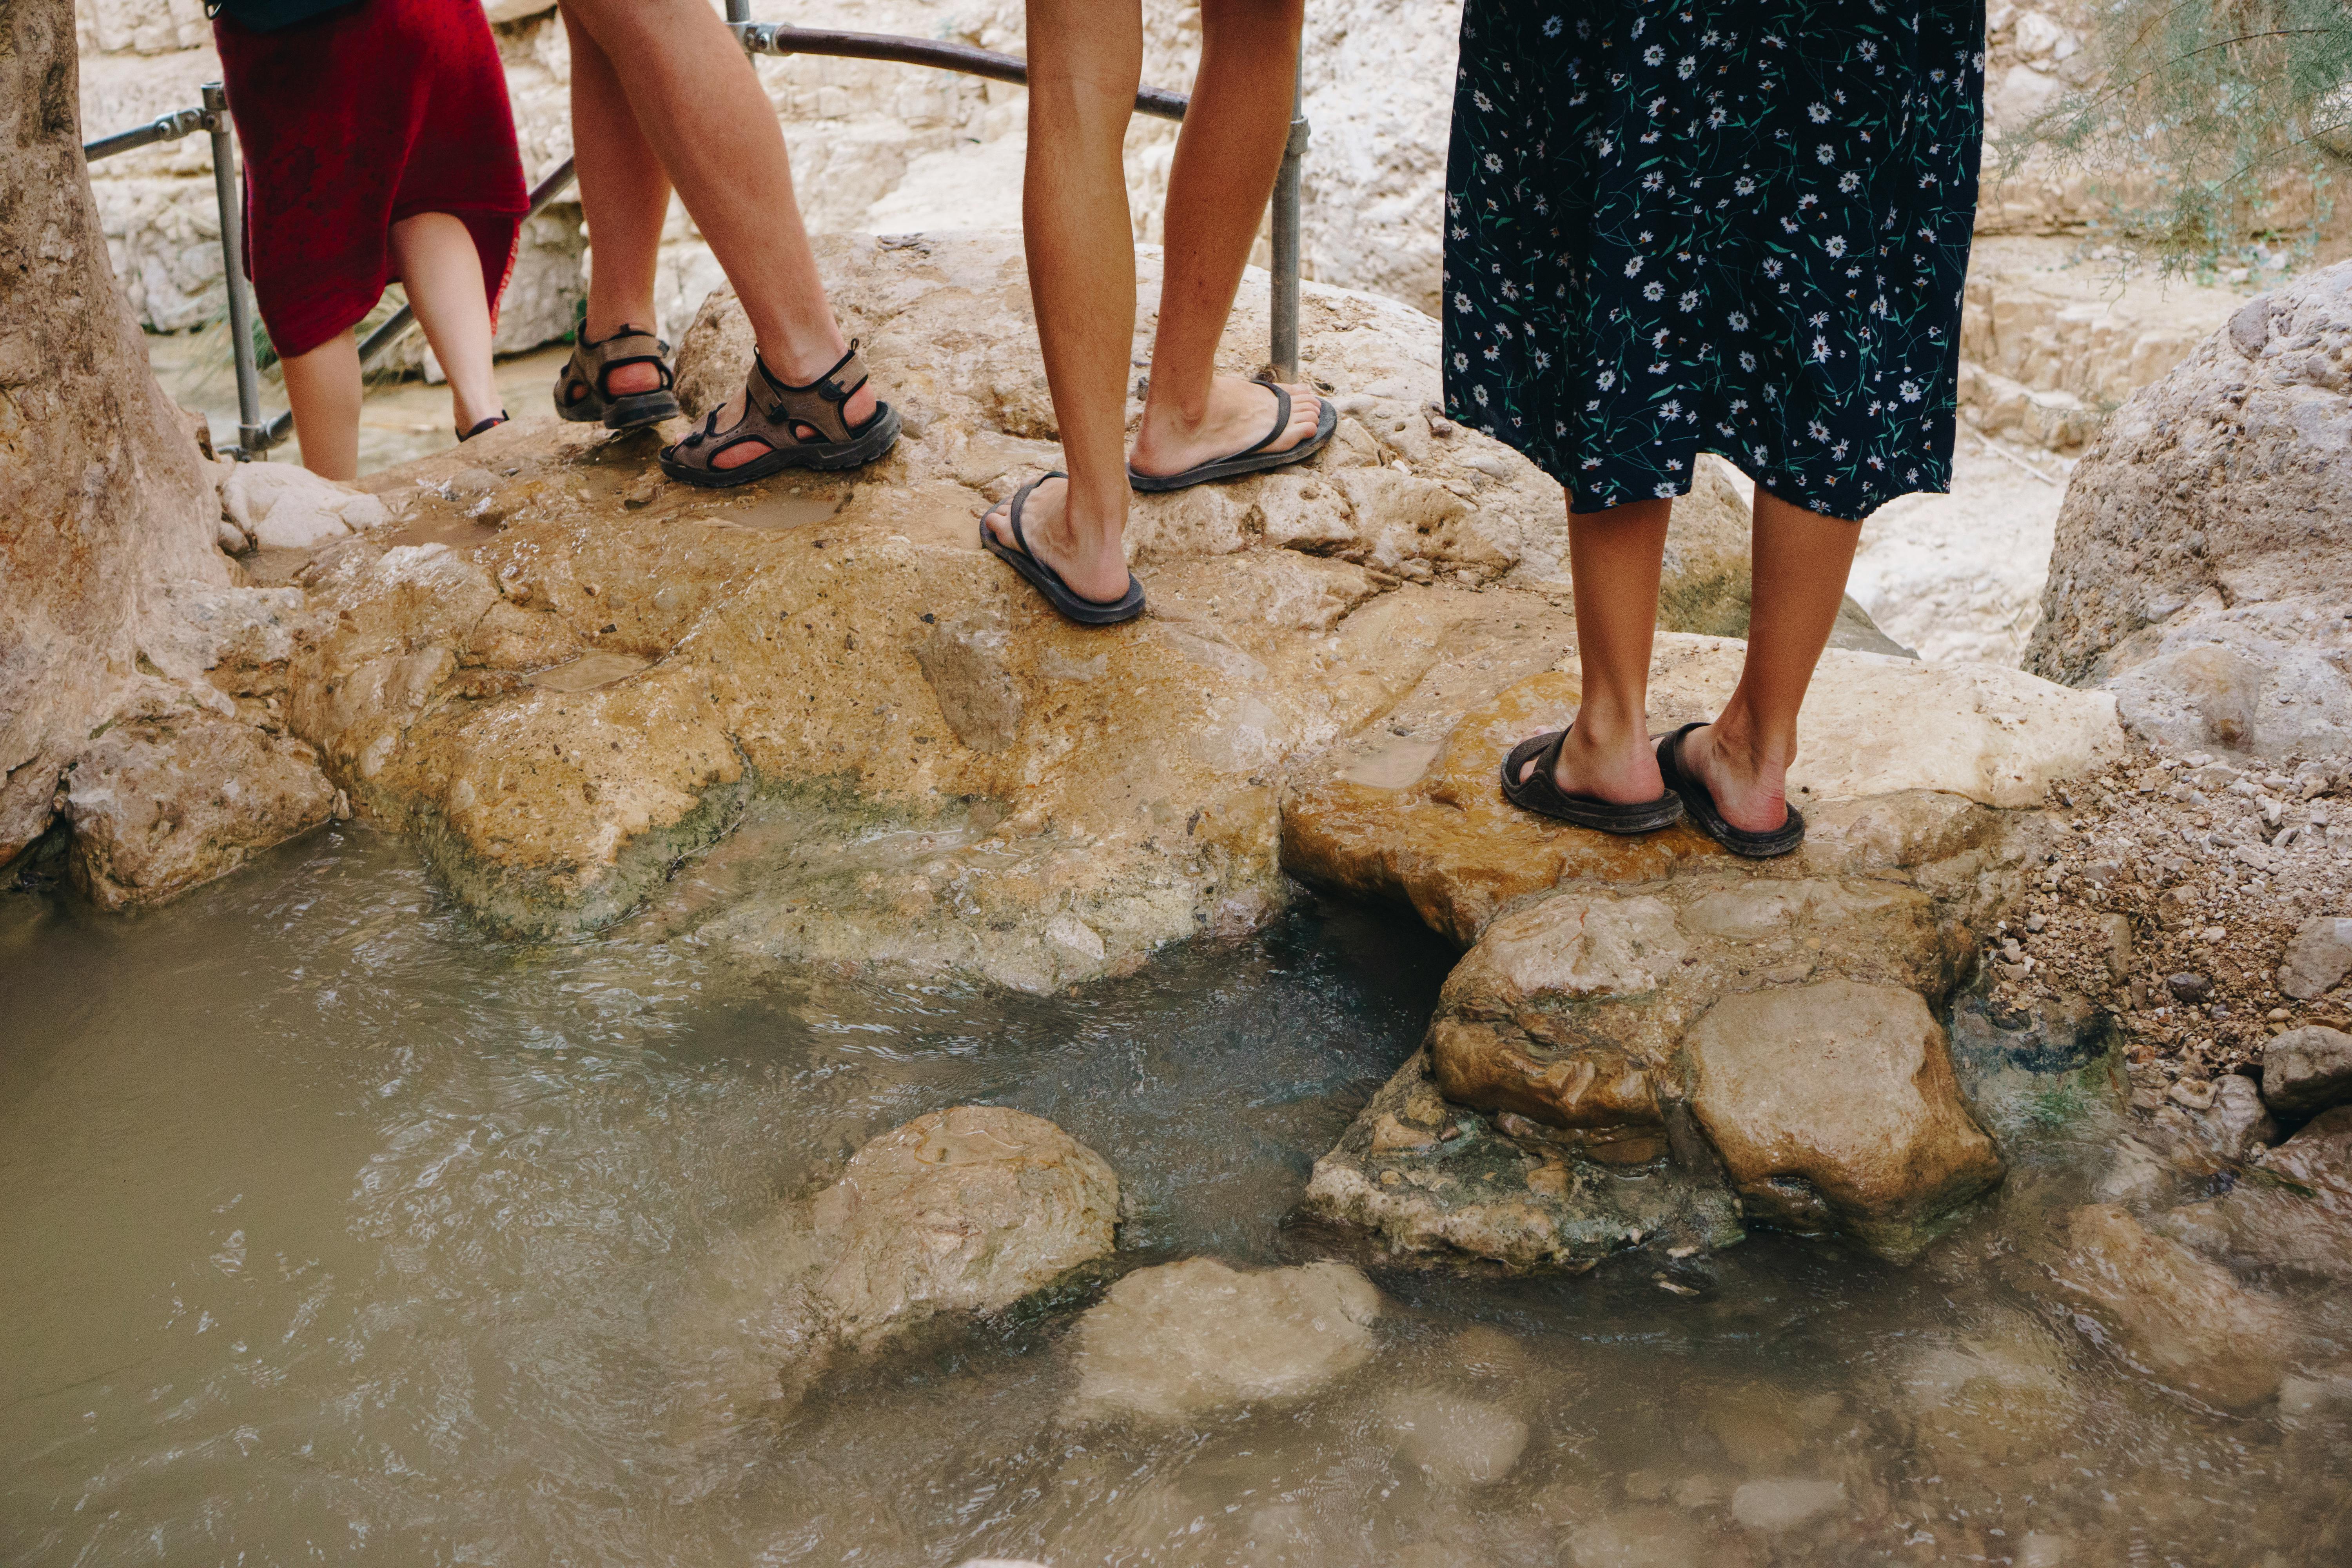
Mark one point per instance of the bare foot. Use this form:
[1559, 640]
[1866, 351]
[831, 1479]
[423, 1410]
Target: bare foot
[1625, 773]
[1090, 560]
[1750, 791]
[1238, 415]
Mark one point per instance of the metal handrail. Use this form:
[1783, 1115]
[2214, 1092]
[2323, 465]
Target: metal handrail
[254, 437]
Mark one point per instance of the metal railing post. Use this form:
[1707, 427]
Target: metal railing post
[1285, 234]
[738, 13]
[252, 435]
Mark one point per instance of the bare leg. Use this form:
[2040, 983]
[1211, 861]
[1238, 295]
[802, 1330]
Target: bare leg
[1614, 557]
[1801, 559]
[1086, 58]
[442, 273]
[697, 104]
[322, 387]
[624, 185]
[1226, 159]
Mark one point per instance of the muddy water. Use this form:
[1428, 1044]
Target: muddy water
[335, 1232]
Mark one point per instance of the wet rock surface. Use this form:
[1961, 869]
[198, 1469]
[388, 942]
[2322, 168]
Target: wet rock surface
[1184, 1341]
[1575, 1026]
[958, 1212]
[161, 805]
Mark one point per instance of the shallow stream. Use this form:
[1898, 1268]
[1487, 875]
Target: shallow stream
[335, 1232]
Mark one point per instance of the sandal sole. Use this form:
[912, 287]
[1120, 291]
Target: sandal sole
[640, 409]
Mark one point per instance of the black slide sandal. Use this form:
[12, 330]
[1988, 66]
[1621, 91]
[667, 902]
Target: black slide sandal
[1700, 804]
[1538, 793]
[1249, 459]
[1048, 581]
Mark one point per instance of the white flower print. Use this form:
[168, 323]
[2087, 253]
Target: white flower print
[1687, 67]
[1653, 56]
[1821, 349]
[1494, 162]
[1480, 394]
[1605, 380]
[1818, 112]
[1743, 187]
[1551, 29]
[1747, 361]
[1737, 321]
[1461, 300]
[1817, 430]
[1654, 290]
[1909, 391]
[1486, 104]
[1689, 300]
[1771, 267]
[1834, 244]
[1825, 154]
[1461, 360]
[1633, 267]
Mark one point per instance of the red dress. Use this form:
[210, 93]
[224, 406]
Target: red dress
[350, 123]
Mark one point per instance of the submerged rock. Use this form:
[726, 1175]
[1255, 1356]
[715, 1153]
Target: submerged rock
[1429, 1177]
[1453, 1440]
[2184, 1320]
[2290, 1212]
[1185, 1339]
[963, 1211]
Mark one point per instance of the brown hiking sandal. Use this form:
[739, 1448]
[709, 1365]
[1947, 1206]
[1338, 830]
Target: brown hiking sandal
[584, 392]
[775, 415]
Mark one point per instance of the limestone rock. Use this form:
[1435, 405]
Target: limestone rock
[1431, 1179]
[2198, 572]
[2307, 1070]
[1895, 759]
[2184, 1320]
[2236, 1123]
[941, 773]
[160, 804]
[282, 506]
[2290, 1212]
[1835, 1103]
[1184, 1340]
[1566, 1034]
[958, 1212]
[2318, 957]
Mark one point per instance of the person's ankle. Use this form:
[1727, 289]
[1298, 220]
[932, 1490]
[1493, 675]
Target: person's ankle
[1740, 745]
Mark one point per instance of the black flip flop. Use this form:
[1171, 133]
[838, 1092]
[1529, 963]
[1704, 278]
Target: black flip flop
[1700, 804]
[1538, 793]
[1048, 581]
[492, 422]
[1250, 459]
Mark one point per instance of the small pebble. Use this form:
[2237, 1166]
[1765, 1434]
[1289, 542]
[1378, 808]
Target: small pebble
[2036, 922]
[2188, 987]
[2213, 934]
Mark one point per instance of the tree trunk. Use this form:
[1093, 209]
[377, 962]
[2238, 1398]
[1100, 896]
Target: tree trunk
[104, 501]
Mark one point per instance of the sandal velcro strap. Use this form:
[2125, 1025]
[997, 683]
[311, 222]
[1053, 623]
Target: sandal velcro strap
[818, 404]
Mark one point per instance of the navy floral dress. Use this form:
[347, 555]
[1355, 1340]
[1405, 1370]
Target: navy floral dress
[1710, 226]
